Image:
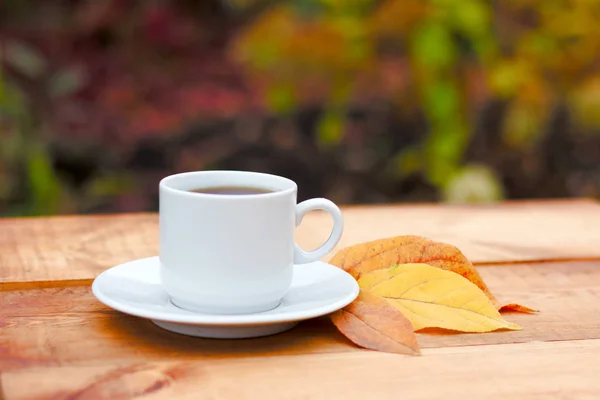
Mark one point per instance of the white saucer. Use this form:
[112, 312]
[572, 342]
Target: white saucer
[135, 288]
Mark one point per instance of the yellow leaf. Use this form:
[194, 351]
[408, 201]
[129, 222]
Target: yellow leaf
[434, 298]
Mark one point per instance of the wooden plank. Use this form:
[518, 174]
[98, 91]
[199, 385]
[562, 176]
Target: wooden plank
[74, 247]
[36, 251]
[60, 326]
[486, 234]
[566, 370]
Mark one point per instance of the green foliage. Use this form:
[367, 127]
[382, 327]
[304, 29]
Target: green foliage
[473, 184]
[24, 58]
[66, 82]
[44, 187]
[330, 128]
[280, 98]
[21, 150]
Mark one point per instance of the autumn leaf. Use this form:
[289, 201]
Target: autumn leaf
[431, 297]
[371, 322]
[513, 307]
[383, 253]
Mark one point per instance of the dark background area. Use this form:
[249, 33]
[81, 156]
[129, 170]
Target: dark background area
[361, 101]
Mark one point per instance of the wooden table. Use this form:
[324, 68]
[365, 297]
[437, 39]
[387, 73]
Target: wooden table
[58, 342]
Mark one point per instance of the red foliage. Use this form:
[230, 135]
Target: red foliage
[149, 69]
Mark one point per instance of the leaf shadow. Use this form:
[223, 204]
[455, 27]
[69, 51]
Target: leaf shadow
[451, 332]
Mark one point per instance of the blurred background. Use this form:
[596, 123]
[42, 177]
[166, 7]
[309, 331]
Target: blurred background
[360, 101]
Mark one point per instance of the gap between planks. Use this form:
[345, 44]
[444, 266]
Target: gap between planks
[46, 284]
[33, 285]
[538, 261]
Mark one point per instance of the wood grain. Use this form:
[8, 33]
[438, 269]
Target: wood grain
[62, 326]
[58, 342]
[38, 251]
[565, 370]
[72, 248]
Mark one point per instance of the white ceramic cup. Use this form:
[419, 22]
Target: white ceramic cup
[233, 254]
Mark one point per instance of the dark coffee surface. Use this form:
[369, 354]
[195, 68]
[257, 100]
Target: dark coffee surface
[232, 190]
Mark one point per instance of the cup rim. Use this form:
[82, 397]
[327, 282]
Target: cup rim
[288, 185]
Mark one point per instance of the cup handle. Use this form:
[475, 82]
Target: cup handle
[301, 256]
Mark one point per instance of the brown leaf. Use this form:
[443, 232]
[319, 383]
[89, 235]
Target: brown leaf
[372, 323]
[366, 257]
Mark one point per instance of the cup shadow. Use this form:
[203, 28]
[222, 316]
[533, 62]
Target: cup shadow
[148, 340]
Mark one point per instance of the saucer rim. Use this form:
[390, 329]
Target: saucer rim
[254, 319]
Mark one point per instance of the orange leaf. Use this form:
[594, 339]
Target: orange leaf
[366, 257]
[372, 323]
[513, 307]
